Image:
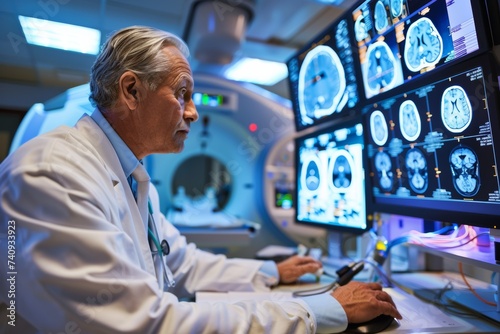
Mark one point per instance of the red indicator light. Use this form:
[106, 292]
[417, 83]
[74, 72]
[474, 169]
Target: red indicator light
[252, 127]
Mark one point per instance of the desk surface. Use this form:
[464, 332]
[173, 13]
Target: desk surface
[419, 316]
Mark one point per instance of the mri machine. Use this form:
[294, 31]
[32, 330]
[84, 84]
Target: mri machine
[231, 189]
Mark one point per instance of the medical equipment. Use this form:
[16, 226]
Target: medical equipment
[162, 249]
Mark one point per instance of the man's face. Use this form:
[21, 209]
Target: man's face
[165, 115]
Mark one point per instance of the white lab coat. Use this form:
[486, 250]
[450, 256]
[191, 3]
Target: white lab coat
[83, 261]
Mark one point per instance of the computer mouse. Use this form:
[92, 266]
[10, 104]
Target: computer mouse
[375, 325]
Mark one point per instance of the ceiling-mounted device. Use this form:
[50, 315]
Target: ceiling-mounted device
[216, 29]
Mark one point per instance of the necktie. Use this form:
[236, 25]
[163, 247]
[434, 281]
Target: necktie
[140, 175]
[141, 193]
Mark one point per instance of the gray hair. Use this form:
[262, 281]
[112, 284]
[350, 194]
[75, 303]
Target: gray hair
[136, 49]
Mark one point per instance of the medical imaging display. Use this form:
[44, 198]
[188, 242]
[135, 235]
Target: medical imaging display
[436, 143]
[399, 40]
[322, 76]
[330, 178]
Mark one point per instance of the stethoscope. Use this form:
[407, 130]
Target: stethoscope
[168, 277]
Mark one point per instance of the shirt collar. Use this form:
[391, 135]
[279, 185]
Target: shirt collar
[128, 160]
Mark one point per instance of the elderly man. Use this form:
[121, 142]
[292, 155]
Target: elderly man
[94, 254]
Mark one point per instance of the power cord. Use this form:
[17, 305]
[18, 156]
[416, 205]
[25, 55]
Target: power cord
[344, 276]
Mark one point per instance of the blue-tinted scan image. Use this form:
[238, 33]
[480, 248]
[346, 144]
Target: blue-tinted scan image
[311, 176]
[322, 77]
[340, 171]
[322, 83]
[360, 29]
[409, 120]
[464, 166]
[396, 8]
[424, 46]
[416, 168]
[381, 68]
[378, 128]
[456, 110]
[380, 17]
[385, 175]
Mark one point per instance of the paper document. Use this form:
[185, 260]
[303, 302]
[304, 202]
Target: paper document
[214, 219]
[422, 317]
[275, 250]
[234, 297]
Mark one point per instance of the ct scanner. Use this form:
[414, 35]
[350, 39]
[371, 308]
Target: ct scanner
[238, 158]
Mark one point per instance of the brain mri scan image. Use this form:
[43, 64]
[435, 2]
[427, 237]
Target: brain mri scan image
[456, 111]
[340, 171]
[396, 8]
[424, 45]
[378, 128]
[465, 170]
[416, 166]
[383, 165]
[381, 67]
[360, 28]
[322, 83]
[311, 177]
[409, 120]
[380, 17]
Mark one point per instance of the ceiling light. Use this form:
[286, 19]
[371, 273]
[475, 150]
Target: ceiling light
[257, 71]
[60, 35]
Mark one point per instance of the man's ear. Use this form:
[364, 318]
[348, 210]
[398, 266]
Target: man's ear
[129, 89]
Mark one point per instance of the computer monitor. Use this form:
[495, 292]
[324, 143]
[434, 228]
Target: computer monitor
[434, 150]
[400, 40]
[330, 177]
[323, 77]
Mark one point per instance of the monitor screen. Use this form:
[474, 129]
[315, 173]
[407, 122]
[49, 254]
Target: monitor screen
[322, 76]
[400, 40]
[330, 177]
[283, 194]
[433, 151]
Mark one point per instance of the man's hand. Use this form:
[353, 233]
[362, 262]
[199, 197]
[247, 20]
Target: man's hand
[365, 301]
[295, 266]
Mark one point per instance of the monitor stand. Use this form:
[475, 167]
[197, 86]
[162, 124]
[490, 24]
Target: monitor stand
[336, 256]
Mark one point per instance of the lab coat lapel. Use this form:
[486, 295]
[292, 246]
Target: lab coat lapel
[131, 220]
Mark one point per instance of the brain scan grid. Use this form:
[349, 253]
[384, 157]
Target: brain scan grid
[434, 142]
[399, 40]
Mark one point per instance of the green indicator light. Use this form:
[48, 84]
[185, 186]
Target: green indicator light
[205, 99]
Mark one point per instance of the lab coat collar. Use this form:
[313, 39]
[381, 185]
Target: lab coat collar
[128, 160]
